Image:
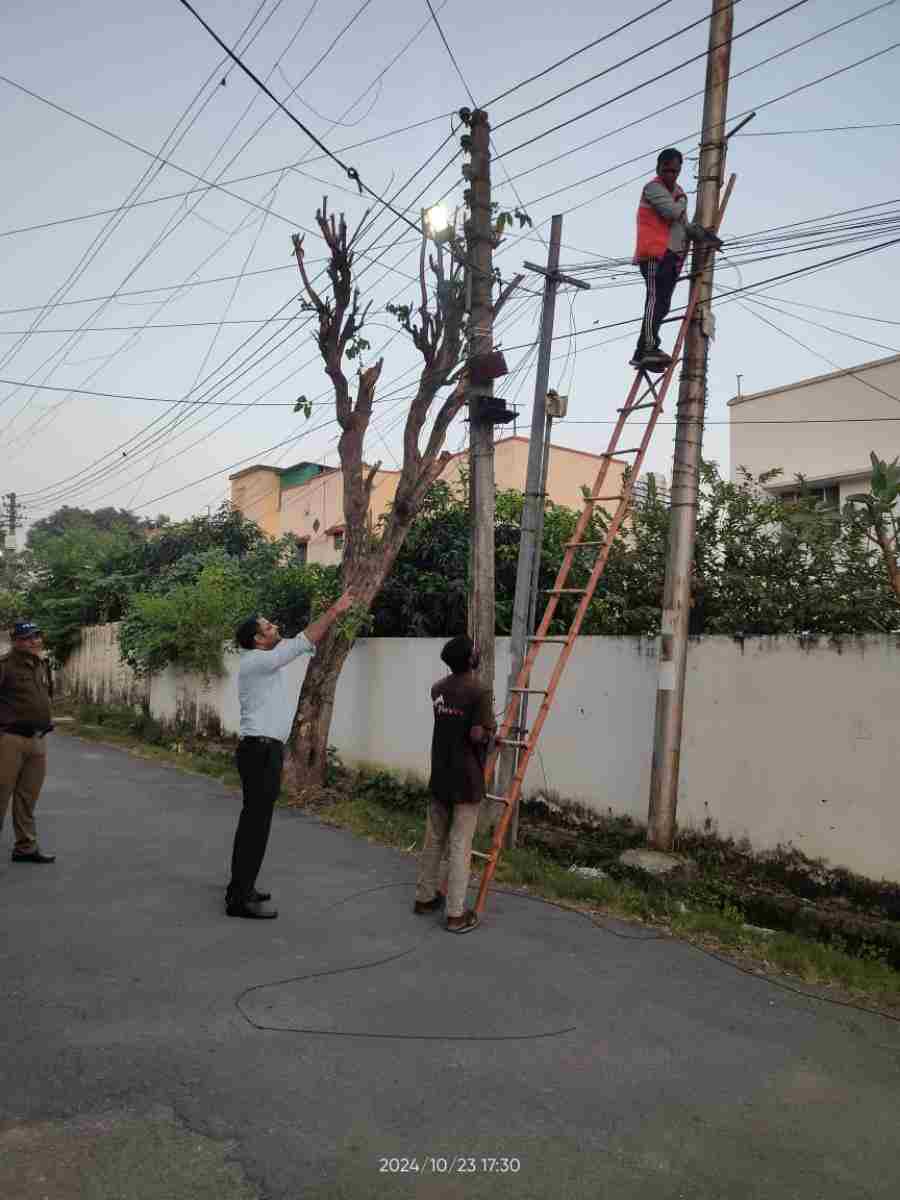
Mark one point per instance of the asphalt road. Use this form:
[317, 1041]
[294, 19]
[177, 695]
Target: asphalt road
[539, 1056]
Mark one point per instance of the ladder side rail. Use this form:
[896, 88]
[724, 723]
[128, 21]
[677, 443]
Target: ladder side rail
[625, 500]
[524, 675]
[524, 755]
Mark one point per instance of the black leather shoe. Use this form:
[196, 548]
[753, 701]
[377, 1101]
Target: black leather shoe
[256, 896]
[253, 910]
[34, 857]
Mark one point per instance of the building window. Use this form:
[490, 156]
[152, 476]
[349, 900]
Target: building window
[827, 494]
[339, 540]
[300, 553]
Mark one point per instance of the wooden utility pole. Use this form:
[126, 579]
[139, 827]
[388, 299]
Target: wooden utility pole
[528, 564]
[480, 247]
[688, 446]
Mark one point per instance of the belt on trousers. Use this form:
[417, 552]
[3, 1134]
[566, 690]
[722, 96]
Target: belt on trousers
[264, 740]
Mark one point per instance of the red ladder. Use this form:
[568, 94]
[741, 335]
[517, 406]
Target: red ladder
[525, 746]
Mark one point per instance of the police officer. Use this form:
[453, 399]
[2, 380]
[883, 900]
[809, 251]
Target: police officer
[26, 688]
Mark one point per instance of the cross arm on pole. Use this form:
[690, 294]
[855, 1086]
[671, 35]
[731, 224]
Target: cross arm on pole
[557, 277]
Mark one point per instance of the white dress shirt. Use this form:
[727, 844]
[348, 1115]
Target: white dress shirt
[267, 705]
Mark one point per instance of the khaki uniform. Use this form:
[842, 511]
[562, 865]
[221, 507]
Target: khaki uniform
[25, 692]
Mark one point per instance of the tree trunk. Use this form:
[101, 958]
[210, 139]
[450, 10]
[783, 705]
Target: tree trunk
[889, 554]
[306, 758]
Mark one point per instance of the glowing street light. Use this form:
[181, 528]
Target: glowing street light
[438, 223]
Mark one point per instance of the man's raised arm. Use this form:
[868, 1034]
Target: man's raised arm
[316, 630]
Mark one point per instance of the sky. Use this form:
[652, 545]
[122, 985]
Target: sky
[122, 283]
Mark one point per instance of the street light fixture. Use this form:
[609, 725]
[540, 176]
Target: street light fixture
[438, 223]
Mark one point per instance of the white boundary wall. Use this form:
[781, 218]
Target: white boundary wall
[782, 743]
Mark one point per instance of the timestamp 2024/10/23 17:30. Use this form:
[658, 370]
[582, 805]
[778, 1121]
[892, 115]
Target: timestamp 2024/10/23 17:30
[457, 1164]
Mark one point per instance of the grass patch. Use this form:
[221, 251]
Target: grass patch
[809, 961]
[142, 735]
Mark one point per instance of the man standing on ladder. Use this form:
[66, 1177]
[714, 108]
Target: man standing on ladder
[663, 233]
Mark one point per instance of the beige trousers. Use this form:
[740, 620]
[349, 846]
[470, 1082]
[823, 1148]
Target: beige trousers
[23, 765]
[452, 834]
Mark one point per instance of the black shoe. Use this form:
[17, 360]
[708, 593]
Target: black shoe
[260, 897]
[34, 857]
[464, 924]
[429, 906]
[253, 910]
[655, 360]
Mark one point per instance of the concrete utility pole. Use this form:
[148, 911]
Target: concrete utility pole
[12, 512]
[688, 446]
[528, 564]
[480, 248]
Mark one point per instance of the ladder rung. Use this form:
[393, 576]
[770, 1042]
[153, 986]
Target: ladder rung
[510, 742]
[561, 640]
[498, 799]
[595, 498]
[634, 407]
[570, 545]
[531, 691]
[611, 454]
[565, 591]
[478, 854]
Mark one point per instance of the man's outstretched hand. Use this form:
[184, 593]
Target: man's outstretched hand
[343, 604]
[317, 629]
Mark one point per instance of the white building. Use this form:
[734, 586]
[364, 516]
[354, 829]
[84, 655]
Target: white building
[822, 428]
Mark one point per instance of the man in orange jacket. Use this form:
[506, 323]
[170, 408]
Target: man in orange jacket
[663, 233]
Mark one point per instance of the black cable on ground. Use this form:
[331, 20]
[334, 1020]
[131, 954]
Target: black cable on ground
[407, 1037]
[650, 937]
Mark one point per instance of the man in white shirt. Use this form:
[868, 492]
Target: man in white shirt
[267, 712]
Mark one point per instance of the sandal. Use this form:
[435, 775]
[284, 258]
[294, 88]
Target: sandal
[468, 921]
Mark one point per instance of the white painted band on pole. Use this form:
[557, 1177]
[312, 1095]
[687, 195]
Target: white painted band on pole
[667, 677]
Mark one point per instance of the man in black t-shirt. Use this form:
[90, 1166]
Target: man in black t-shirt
[463, 724]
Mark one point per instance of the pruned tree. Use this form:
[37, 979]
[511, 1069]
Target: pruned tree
[438, 334]
[880, 513]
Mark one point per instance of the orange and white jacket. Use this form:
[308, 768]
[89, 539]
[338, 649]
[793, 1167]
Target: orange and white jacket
[662, 222]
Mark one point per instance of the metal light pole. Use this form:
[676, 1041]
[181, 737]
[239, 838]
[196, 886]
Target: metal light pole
[529, 560]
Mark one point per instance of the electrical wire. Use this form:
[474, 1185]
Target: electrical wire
[592, 330]
[575, 53]
[817, 354]
[649, 82]
[624, 62]
[732, 292]
[818, 325]
[381, 74]
[350, 172]
[837, 312]
[46, 387]
[825, 129]
[651, 153]
[151, 172]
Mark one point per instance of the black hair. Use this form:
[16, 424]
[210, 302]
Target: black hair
[246, 632]
[668, 155]
[457, 654]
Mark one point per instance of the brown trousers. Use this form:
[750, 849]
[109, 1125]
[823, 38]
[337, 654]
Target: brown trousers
[23, 765]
